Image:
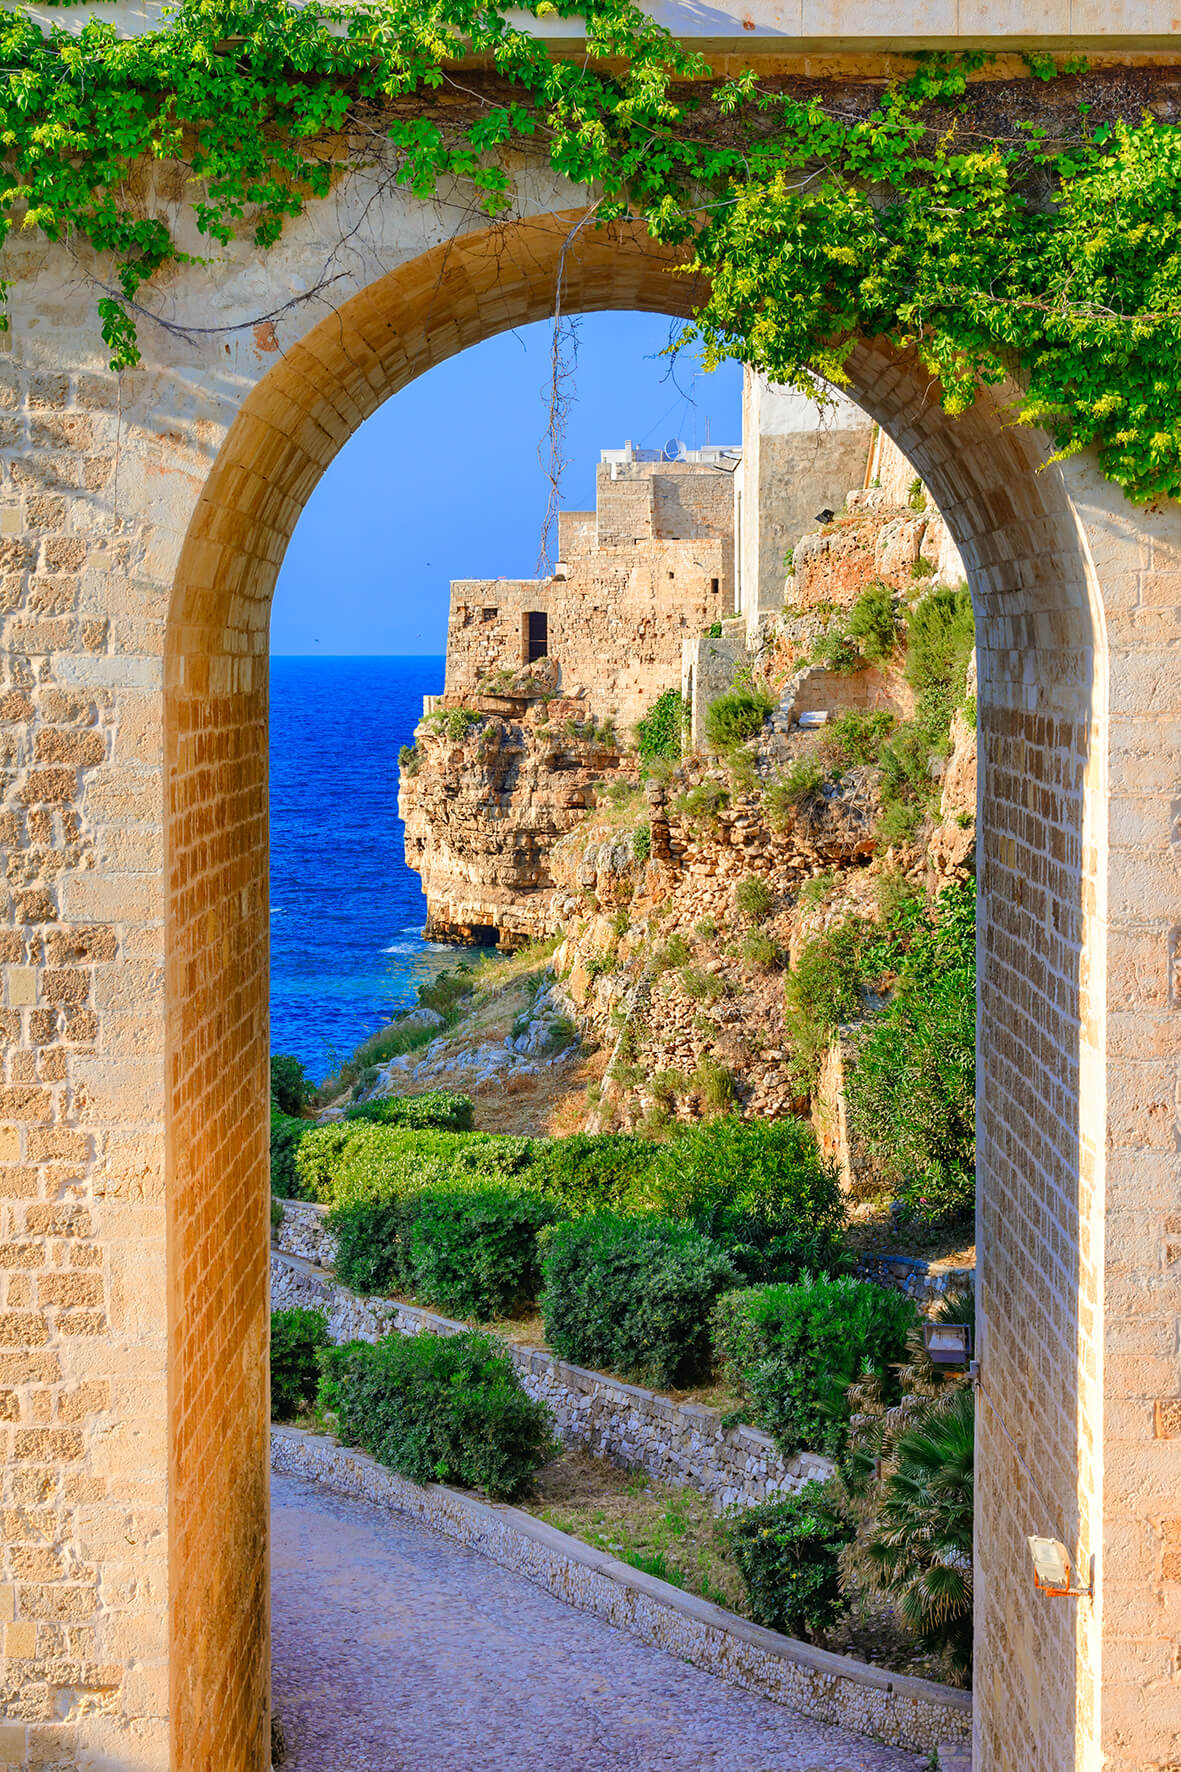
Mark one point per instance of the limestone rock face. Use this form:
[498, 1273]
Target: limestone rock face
[681, 902]
[872, 543]
[483, 814]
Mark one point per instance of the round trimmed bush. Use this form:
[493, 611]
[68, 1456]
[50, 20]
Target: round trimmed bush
[439, 1408]
[633, 1295]
[759, 1188]
[794, 1350]
[788, 1552]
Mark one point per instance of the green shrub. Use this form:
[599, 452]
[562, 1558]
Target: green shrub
[873, 623]
[794, 1349]
[823, 989]
[632, 1295]
[856, 737]
[802, 785]
[837, 651]
[817, 887]
[758, 1188]
[658, 734]
[297, 1336]
[940, 636]
[916, 498]
[704, 802]
[666, 1086]
[440, 1110]
[286, 1136]
[290, 1087]
[357, 1159]
[446, 990]
[409, 759]
[714, 1084]
[759, 950]
[642, 842]
[373, 1243]
[591, 1171]
[788, 1553]
[905, 763]
[676, 952]
[474, 1251]
[702, 987]
[456, 723]
[898, 824]
[736, 717]
[754, 899]
[912, 1085]
[434, 1408]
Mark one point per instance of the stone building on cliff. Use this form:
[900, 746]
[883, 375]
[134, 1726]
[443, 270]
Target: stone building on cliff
[662, 586]
[652, 562]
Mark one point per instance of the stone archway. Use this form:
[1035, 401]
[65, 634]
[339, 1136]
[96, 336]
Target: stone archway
[142, 1145]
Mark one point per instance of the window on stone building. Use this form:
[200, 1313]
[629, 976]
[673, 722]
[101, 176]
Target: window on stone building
[536, 635]
[714, 586]
[490, 614]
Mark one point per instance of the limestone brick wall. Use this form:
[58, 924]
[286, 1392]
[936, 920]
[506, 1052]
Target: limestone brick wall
[662, 501]
[680, 1443]
[797, 459]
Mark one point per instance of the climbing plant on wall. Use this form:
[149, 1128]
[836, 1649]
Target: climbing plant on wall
[999, 226]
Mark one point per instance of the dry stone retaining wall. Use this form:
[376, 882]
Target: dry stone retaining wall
[680, 1443]
[903, 1712]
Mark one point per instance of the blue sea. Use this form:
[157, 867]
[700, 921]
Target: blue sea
[347, 914]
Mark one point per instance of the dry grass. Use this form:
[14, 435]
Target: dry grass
[670, 1533]
[538, 1105]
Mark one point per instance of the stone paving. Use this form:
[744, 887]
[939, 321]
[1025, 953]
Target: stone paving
[398, 1651]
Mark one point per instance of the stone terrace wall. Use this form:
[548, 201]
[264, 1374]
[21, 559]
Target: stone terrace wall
[680, 1443]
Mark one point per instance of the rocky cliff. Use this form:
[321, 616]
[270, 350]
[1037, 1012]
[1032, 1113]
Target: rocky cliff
[687, 894]
[489, 788]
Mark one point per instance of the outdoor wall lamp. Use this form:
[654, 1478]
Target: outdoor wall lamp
[1051, 1570]
[948, 1344]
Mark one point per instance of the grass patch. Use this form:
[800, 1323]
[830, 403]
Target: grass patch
[670, 1533]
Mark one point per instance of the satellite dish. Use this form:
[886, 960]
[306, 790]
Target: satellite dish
[674, 450]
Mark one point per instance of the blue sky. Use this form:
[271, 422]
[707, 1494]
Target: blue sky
[444, 481]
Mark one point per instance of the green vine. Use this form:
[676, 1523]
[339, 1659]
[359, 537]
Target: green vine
[1028, 229]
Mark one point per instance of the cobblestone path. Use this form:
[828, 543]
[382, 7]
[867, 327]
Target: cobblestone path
[396, 1650]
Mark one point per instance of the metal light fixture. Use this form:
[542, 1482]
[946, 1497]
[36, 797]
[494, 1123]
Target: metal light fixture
[1051, 1570]
[948, 1344]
